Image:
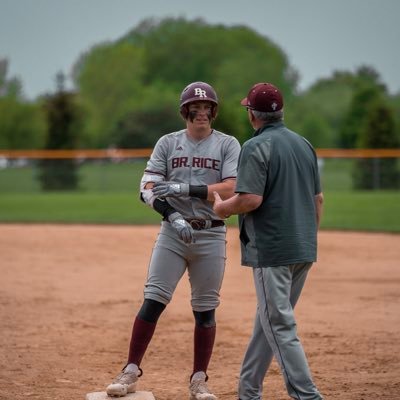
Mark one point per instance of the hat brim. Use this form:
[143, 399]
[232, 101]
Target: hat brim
[244, 102]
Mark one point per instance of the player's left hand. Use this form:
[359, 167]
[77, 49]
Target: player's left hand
[170, 189]
[182, 227]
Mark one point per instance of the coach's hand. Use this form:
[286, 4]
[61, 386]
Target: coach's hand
[218, 206]
[185, 231]
[170, 189]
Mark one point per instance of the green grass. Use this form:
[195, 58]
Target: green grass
[104, 208]
[103, 176]
[368, 211]
[95, 176]
[108, 194]
[17, 180]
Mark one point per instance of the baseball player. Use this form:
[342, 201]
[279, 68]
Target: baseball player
[184, 170]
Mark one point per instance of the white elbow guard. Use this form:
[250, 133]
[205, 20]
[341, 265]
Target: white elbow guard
[147, 194]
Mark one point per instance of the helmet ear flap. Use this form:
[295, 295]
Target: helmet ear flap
[184, 111]
[214, 111]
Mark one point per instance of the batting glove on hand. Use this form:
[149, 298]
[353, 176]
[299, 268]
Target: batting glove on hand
[185, 231]
[170, 189]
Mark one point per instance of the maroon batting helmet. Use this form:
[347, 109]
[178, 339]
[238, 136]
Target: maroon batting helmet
[198, 91]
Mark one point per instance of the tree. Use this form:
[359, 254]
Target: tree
[116, 80]
[144, 123]
[377, 132]
[141, 128]
[329, 104]
[357, 115]
[366, 87]
[9, 87]
[22, 123]
[317, 131]
[394, 102]
[63, 118]
[317, 114]
[108, 78]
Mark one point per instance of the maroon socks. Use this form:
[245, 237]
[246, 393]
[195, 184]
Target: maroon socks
[203, 346]
[142, 333]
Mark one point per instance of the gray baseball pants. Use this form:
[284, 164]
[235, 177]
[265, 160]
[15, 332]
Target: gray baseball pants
[204, 262]
[275, 335]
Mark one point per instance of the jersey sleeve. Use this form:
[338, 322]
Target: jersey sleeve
[229, 169]
[253, 168]
[157, 163]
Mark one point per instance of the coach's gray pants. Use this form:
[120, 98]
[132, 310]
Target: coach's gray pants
[275, 334]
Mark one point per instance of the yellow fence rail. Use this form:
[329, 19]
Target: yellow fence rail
[145, 153]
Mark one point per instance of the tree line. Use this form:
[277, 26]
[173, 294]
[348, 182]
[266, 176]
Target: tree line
[127, 92]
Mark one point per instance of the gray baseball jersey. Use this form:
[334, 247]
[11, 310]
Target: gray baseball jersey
[179, 158]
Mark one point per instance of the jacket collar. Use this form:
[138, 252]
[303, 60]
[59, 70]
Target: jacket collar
[268, 126]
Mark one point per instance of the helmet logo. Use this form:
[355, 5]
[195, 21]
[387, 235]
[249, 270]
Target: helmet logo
[200, 92]
[274, 105]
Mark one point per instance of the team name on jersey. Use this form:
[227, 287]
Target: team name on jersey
[196, 162]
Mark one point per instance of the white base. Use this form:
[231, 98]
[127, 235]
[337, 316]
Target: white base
[129, 396]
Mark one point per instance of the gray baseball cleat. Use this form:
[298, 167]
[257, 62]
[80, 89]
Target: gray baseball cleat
[124, 383]
[199, 391]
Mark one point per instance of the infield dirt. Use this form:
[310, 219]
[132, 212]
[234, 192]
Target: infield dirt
[69, 294]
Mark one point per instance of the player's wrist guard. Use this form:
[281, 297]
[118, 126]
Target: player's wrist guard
[175, 189]
[164, 208]
[200, 192]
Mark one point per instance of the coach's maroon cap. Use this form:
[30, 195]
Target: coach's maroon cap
[263, 97]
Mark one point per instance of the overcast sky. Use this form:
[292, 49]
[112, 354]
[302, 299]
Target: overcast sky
[42, 37]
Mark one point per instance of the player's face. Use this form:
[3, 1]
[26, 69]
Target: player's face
[198, 122]
[200, 112]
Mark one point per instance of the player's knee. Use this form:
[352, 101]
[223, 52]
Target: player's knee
[151, 310]
[205, 319]
[208, 301]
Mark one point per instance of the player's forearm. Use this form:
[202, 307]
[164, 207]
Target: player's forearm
[165, 189]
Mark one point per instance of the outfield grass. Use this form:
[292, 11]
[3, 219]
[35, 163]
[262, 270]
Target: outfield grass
[368, 211]
[103, 176]
[95, 176]
[365, 211]
[80, 207]
[108, 194]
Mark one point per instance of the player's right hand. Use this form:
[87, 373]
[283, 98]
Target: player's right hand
[183, 228]
[170, 189]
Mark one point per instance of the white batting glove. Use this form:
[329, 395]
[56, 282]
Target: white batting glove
[185, 231]
[170, 189]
